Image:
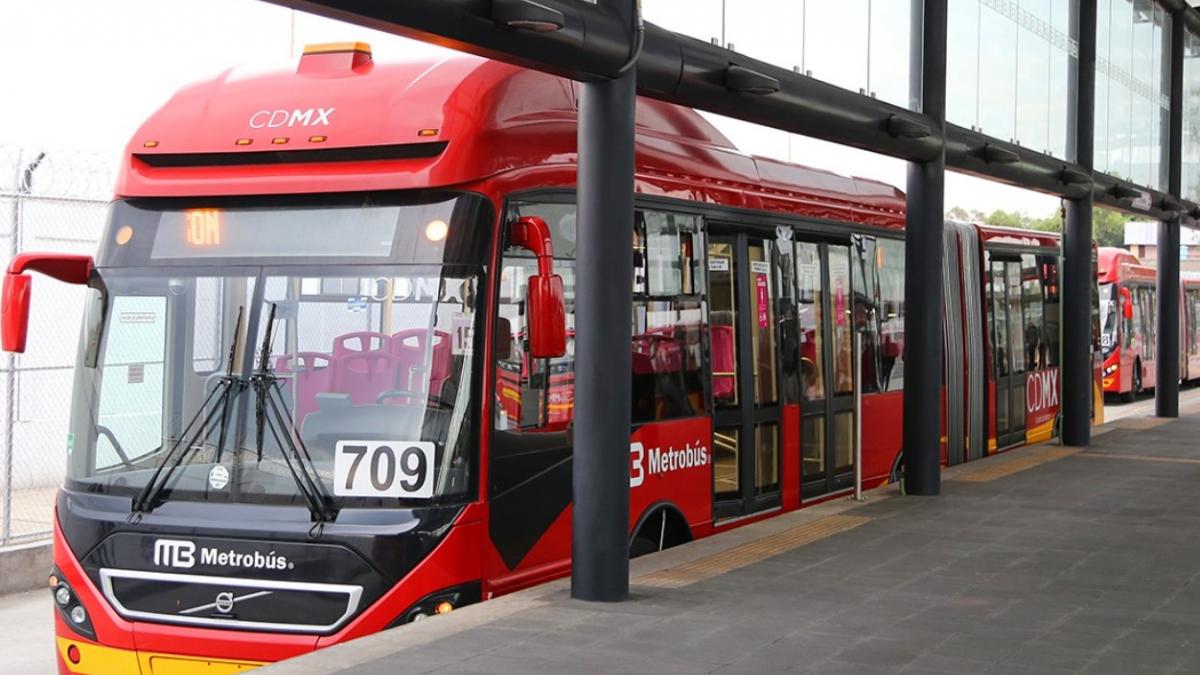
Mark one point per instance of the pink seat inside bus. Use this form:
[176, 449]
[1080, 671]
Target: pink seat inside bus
[311, 374]
[360, 342]
[656, 353]
[365, 375]
[409, 346]
[724, 363]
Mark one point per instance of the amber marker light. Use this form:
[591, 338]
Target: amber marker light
[279, 140]
[444, 607]
[425, 133]
[150, 144]
[243, 141]
[124, 235]
[436, 230]
[317, 139]
[53, 581]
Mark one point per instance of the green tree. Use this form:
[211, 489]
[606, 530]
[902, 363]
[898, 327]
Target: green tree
[1108, 226]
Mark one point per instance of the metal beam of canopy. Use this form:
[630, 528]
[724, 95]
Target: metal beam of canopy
[588, 42]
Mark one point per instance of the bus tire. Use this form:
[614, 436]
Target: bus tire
[897, 473]
[660, 528]
[1136, 387]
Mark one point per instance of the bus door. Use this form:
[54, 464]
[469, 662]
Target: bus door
[1007, 328]
[743, 334]
[825, 309]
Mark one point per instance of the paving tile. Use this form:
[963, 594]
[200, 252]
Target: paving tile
[1070, 566]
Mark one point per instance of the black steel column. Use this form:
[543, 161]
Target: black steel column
[923, 262]
[603, 333]
[1076, 357]
[1166, 388]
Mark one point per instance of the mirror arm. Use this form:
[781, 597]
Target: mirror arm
[66, 267]
[533, 234]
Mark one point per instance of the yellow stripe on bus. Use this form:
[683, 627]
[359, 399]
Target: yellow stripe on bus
[100, 660]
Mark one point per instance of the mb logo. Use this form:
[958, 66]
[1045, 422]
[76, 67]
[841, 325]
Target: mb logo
[174, 553]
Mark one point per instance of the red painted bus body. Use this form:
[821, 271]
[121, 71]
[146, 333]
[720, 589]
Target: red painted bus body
[1189, 322]
[1129, 292]
[350, 198]
[1130, 322]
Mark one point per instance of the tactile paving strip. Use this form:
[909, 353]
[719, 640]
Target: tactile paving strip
[1141, 423]
[749, 553]
[1028, 459]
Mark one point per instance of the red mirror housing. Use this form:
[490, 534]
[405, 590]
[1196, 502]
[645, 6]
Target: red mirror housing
[547, 316]
[545, 302]
[1126, 303]
[14, 310]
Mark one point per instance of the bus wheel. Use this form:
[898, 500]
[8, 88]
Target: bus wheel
[1131, 395]
[897, 474]
[660, 530]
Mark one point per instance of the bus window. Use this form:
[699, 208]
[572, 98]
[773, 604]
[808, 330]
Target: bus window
[1048, 266]
[889, 257]
[132, 380]
[1016, 323]
[866, 310]
[536, 393]
[207, 325]
[762, 303]
[1031, 290]
[668, 320]
[789, 346]
[843, 345]
[808, 310]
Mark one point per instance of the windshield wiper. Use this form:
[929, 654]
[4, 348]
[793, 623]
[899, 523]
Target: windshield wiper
[225, 393]
[269, 410]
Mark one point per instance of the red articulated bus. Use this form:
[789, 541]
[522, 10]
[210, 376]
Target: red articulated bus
[321, 389]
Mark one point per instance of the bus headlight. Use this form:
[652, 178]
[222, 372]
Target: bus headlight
[440, 602]
[70, 607]
[78, 614]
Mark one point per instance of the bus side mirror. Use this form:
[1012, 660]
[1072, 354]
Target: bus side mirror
[14, 305]
[545, 301]
[502, 345]
[546, 306]
[1126, 303]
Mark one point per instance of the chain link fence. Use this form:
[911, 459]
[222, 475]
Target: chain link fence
[50, 201]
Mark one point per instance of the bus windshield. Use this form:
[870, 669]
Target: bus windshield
[371, 367]
[1109, 316]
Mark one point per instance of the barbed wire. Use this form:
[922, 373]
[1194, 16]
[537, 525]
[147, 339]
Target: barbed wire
[56, 173]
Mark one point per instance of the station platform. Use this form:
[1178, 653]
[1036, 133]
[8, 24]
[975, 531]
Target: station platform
[1044, 559]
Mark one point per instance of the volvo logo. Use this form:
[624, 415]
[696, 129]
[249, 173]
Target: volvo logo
[224, 603]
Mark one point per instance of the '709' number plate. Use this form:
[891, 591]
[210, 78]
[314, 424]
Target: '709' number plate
[383, 469]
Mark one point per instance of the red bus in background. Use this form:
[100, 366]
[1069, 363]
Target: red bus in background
[1128, 310]
[1189, 321]
[312, 398]
[1129, 314]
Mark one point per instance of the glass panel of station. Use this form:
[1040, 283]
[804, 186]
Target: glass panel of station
[1132, 90]
[860, 45]
[1009, 63]
[1191, 116]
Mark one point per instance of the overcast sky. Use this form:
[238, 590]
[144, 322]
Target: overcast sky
[83, 74]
